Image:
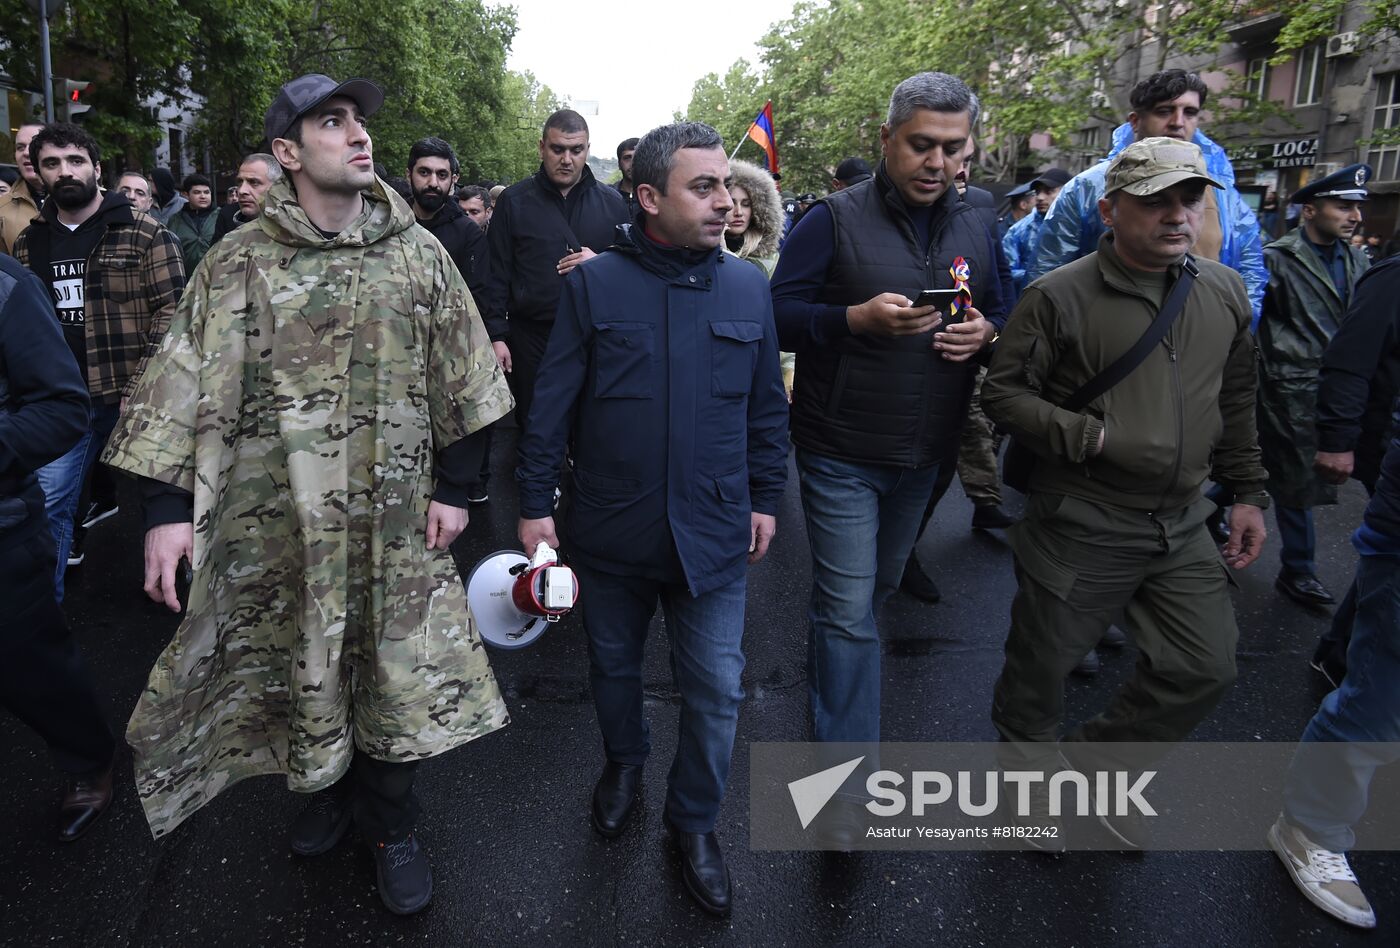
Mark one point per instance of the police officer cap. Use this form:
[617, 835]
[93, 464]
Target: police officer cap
[1349, 184]
[1020, 190]
[304, 93]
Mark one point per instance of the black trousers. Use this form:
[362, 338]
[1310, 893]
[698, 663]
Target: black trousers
[43, 679]
[381, 793]
[527, 342]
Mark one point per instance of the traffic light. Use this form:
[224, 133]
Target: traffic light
[78, 95]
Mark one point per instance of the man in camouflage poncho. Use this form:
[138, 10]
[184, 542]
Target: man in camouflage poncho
[311, 408]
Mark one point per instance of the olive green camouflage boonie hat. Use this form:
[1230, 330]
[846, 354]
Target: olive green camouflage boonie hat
[1155, 164]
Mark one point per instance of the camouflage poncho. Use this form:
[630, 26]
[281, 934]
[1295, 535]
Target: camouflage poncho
[299, 394]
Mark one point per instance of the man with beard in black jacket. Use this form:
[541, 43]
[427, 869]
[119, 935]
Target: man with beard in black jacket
[541, 229]
[432, 179]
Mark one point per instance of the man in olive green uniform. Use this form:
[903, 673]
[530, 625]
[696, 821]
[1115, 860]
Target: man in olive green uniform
[304, 436]
[1115, 513]
[1312, 271]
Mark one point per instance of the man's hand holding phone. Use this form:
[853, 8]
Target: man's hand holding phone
[891, 314]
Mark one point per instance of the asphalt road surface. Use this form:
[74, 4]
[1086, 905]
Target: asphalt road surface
[506, 817]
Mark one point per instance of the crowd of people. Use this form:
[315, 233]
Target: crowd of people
[304, 382]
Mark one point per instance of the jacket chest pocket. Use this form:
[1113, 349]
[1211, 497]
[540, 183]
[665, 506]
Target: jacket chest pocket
[733, 356]
[622, 358]
[120, 274]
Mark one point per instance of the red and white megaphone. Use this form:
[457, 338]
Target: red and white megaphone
[514, 599]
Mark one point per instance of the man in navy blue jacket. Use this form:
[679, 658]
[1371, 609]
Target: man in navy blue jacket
[662, 373]
[43, 680]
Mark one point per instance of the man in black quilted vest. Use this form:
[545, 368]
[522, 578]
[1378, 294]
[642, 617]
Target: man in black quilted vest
[882, 387]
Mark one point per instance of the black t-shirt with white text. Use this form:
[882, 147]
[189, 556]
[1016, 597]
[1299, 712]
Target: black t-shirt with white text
[68, 264]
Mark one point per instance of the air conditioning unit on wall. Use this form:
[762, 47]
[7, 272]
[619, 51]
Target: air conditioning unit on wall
[1323, 168]
[1342, 44]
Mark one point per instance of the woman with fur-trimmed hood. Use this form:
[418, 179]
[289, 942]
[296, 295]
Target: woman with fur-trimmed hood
[756, 223]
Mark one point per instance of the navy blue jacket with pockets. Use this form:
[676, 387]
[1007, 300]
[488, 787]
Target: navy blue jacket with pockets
[662, 374]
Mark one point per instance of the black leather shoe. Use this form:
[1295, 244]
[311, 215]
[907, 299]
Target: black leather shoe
[991, 517]
[85, 799]
[615, 797]
[916, 582]
[839, 827]
[403, 875]
[703, 870]
[321, 823]
[1114, 638]
[1088, 666]
[1304, 588]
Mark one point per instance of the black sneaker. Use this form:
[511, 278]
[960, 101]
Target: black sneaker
[403, 875]
[1329, 668]
[98, 511]
[75, 551]
[321, 823]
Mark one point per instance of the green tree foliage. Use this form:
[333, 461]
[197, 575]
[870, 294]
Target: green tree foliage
[441, 63]
[1045, 66]
[513, 151]
[133, 52]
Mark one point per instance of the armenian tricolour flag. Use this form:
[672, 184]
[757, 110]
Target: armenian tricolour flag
[761, 131]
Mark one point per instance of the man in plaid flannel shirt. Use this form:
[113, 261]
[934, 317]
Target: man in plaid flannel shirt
[115, 274]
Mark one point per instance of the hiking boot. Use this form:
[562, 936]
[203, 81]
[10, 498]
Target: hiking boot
[403, 875]
[1324, 877]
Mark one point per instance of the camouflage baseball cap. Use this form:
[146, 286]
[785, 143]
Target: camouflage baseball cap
[1155, 164]
[304, 93]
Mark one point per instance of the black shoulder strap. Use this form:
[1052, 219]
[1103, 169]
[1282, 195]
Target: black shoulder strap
[1124, 365]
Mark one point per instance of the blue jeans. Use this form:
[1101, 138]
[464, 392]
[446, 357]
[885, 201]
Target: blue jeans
[1298, 539]
[1357, 727]
[706, 663]
[62, 483]
[862, 521]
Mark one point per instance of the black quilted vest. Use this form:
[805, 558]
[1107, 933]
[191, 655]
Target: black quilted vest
[889, 399]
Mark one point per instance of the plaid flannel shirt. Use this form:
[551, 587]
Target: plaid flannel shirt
[134, 279]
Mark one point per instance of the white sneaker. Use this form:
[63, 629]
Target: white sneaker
[1323, 876]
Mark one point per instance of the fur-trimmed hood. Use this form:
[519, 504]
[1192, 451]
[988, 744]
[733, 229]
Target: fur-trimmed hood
[767, 210]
